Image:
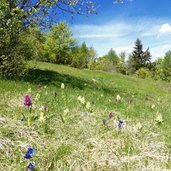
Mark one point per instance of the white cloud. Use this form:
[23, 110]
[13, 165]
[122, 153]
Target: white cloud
[127, 49]
[97, 35]
[165, 28]
[121, 35]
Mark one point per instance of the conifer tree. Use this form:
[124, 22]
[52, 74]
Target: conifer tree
[140, 58]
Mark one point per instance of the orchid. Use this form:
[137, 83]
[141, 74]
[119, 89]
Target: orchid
[110, 115]
[117, 98]
[62, 86]
[88, 105]
[27, 101]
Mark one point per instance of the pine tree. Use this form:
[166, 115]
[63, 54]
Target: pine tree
[140, 58]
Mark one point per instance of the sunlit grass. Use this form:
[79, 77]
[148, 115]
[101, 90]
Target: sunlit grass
[72, 135]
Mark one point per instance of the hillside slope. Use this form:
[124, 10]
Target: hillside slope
[79, 126]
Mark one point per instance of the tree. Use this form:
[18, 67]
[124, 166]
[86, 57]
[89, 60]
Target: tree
[112, 56]
[78, 57]
[17, 15]
[158, 71]
[104, 64]
[92, 58]
[166, 66]
[59, 44]
[140, 58]
[121, 66]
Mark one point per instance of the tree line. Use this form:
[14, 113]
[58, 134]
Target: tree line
[22, 39]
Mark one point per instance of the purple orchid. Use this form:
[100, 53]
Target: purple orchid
[27, 101]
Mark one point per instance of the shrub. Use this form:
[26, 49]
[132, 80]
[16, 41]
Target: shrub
[12, 66]
[143, 73]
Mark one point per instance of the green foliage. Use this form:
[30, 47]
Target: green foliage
[83, 56]
[92, 58]
[158, 71]
[12, 66]
[59, 44]
[16, 15]
[112, 56]
[121, 64]
[166, 66]
[108, 62]
[143, 73]
[78, 58]
[105, 64]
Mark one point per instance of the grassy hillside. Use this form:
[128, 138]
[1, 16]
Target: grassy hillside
[78, 133]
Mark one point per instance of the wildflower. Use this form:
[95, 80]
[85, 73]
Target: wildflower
[85, 113]
[159, 118]
[27, 156]
[45, 87]
[55, 94]
[37, 97]
[41, 108]
[139, 126]
[29, 153]
[39, 86]
[130, 100]
[31, 166]
[104, 121]
[23, 120]
[79, 98]
[62, 86]
[120, 124]
[82, 100]
[146, 98]
[110, 115]
[41, 118]
[102, 95]
[27, 101]
[117, 98]
[29, 90]
[152, 106]
[93, 80]
[66, 111]
[88, 105]
[46, 109]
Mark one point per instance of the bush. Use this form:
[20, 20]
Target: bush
[143, 73]
[12, 66]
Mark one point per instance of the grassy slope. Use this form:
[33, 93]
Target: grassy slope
[82, 142]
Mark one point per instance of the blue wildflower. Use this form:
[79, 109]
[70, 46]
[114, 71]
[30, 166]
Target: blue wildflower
[29, 153]
[23, 120]
[120, 124]
[104, 121]
[31, 166]
[27, 156]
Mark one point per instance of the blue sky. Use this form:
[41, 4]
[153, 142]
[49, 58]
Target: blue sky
[117, 26]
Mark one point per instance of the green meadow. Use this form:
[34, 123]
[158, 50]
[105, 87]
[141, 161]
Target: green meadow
[73, 122]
